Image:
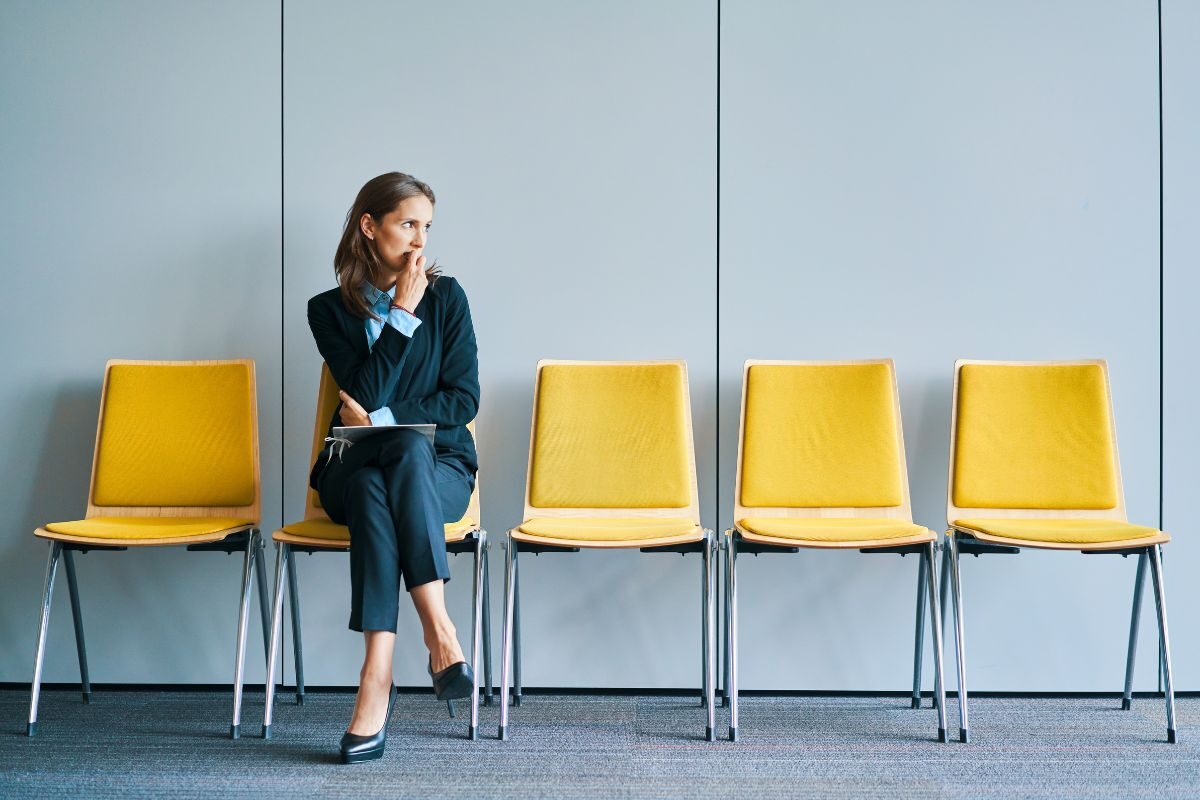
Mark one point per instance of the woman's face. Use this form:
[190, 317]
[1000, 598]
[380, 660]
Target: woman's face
[401, 231]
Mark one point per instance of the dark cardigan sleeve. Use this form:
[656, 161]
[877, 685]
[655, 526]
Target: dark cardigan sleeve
[371, 381]
[456, 401]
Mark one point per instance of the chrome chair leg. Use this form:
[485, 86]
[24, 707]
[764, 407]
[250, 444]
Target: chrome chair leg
[959, 645]
[487, 629]
[293, 586]
[731, 593]
[77, 614]
[281, 572]
[929, 559]
[516, 635]
[39, 655]
[919, 636]
[709, 635]
[476, 630]
[1134, 619]
[704, 584]
[240, 657]
[724, 549]
[260, 578]
[1160, 601]
[506, 636]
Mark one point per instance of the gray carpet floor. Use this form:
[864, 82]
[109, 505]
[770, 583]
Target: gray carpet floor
[173, 744]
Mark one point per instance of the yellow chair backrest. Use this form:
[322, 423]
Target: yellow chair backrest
[327, 403]
[611, 438]
[821, 439]
[1035, 438]
[176, 438]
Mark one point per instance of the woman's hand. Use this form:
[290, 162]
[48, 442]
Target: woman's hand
[353, 415]
[411, 282]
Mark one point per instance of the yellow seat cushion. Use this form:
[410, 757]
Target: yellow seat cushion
[1034, 437]
[832, 529]
[1063, 531]
[821, 436]
[135, 528]
[614, 529]
[176, 435]
[328, 530]
[611, 436]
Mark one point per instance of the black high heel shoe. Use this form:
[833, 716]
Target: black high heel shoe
[356, 748]
[453, 683]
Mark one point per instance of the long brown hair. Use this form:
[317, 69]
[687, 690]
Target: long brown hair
[356, 259]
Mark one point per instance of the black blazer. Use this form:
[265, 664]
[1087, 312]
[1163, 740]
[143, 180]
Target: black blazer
[431, 377]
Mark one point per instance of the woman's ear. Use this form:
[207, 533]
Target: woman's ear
[367, 225]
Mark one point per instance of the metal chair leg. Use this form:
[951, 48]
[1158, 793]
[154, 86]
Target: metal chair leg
[297, 643]
[959, 645]
[282, 551]
[476, 630]
[929, 559]
[506, 635]
[516, 658]
[1134, 619]
[77, 614]
[919, 636]
[709, 635]
[944, 595]
[260, 578]
[731, 593]
[240, 657]
[704, 583]
[487, 630]
[1160, 601]
[725, 634]
[39, 655]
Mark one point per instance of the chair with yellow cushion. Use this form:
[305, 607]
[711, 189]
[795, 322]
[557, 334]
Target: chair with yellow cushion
[611, 465]
[821, 466]
[175, 463]
[317, 533]
[1033, 463]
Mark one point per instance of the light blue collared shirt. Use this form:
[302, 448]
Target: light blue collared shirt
[402, 321]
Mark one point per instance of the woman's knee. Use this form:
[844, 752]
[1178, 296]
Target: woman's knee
[406, 449]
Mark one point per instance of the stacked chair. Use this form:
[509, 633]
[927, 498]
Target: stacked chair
[316, 533]
[1033, 464]
[611, 465]
[175, 463]
[821, 466]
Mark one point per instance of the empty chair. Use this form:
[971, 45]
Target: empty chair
[1033, 463]
[175, 463]
[316, 533]
[821, 466]
[611, 465]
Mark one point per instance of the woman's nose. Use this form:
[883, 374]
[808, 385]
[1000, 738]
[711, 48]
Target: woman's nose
[419, 239]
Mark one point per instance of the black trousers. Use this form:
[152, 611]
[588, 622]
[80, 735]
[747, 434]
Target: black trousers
[394, 494]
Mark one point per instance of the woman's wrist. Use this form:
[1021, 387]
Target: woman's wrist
[402, 308]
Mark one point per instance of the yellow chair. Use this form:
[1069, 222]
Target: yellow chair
[1033, 463]
[611, 465]
[175, 463]
[821, 466]
[319, 534]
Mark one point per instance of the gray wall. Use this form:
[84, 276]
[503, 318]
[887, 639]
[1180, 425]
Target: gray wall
[928, 181]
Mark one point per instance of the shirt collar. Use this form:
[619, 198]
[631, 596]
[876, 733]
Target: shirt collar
[377, 298]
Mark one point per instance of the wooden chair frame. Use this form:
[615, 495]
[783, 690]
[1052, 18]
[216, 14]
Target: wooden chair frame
[245, 539]
[518, 542]
[924, 546]
[961, 540]
[287, 544]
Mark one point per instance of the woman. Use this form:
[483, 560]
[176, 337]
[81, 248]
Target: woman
[399, 342]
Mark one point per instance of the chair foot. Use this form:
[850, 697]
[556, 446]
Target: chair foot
[1171, 738]
[941, 734]
[450, 708]
[964, 736]
[235, 731]
[703, 701]
[724, 702]
[709, 734]
[472, 734]
[516, 700]
[299, 699]
[733, 734]
[502, 734]
[916, 702]
[31, 729]
[87, 698]
[487, 699]
[266, 732]
[1126, 704]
